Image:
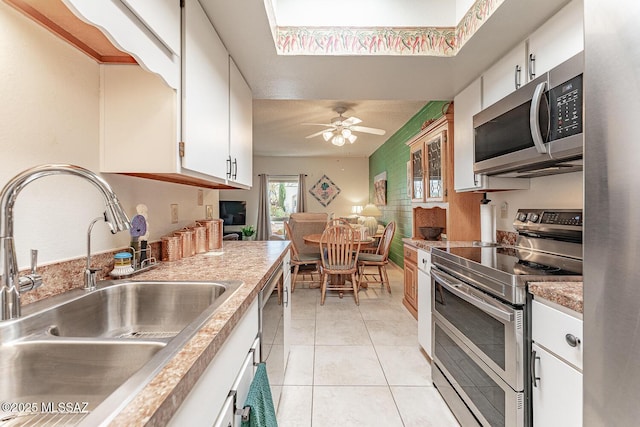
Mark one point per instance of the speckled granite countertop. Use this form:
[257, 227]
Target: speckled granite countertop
[250, 262]
[566, 294]
[428, 244]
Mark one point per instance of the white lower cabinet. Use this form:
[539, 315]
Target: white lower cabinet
[556, 356]
[286, 317]
[557, 391]
[424, 301]
[232, 369]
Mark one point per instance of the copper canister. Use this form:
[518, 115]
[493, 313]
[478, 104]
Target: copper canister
[186, 243]
[200, 233]
[214, 232]
[171, 248]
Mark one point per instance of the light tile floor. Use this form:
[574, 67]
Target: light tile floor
[358, 365]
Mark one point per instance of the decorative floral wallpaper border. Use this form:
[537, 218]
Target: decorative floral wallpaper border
[398, 41]
[365, 41]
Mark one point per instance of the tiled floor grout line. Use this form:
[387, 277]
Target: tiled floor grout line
[375, 350]
[377, 306]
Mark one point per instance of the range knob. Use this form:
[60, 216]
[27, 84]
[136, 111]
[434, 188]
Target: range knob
[534, 217]
[522, 217]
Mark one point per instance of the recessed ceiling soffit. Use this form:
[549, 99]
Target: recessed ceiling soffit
[384, 41]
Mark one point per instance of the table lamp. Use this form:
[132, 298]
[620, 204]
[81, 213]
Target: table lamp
[370, 211]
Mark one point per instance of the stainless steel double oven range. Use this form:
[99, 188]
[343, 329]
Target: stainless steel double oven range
[481, 317]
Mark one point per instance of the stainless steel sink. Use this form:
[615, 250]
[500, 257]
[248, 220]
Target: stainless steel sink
[69, 370]
[100, 347]
[135, 310]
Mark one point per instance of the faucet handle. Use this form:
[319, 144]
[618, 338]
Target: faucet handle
[34, 260]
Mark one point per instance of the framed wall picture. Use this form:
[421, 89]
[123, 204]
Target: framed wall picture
[325, 191]
[380, 188]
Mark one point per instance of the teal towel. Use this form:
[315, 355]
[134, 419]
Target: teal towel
[262, 413]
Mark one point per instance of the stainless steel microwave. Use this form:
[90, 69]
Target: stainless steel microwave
[536, 130]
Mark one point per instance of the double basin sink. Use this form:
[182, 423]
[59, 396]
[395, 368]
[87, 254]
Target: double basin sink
[81, 356]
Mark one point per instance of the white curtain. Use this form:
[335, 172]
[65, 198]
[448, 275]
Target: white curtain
[263, 228]
[302, 193]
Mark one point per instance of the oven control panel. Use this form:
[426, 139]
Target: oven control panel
[559, 217]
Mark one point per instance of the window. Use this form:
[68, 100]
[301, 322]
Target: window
[283, 201]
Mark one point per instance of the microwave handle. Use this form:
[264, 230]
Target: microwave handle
[454, 287]
[533, 118]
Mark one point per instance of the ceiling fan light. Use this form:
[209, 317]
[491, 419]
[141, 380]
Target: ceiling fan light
[346, 133]
[327, 135]
[338, 140]
[352, 138]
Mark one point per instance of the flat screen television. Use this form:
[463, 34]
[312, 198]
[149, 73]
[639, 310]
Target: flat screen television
[233, 212]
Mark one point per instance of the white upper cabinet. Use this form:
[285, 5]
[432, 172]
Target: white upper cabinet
[557, 40]
[466, 104]
[162, 17]
[240, 127]
[505, 76]
[147, 33]
[205, 95]
[198, 135]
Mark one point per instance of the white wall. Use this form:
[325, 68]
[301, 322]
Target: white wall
[50, 113]
[462, 7]
[553, 192]
[350, 174]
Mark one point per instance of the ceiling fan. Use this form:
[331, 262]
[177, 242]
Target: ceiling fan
[341, 129]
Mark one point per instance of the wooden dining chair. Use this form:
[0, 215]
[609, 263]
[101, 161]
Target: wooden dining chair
[301, 259]
[380, 259]
[339, 249]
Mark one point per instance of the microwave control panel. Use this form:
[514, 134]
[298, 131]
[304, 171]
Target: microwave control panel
[565, 103]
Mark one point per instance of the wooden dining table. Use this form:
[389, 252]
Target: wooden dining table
[314, 240]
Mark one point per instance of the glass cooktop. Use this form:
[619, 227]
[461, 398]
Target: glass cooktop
[518, 262]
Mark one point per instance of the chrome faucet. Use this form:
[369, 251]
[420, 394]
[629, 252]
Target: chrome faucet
[11, 284]
[90, 273]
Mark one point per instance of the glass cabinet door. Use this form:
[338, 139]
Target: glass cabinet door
[417, 174]
[435, 170]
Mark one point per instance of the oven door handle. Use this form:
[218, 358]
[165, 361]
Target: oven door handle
[454, 287]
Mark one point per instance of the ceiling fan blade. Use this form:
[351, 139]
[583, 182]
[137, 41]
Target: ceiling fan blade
[316, 134]
[318, 124]
[351, 121]
[368, 130]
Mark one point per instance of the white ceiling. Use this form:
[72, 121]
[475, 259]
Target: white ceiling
[384, 91]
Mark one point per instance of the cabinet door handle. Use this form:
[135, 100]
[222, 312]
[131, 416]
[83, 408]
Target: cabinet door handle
[229, 167]
[532, 66]
[286, 296]
[517, 77]
[235, 168]
[572, 340]
[533, 368]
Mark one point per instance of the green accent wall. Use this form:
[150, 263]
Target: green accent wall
[392, 157]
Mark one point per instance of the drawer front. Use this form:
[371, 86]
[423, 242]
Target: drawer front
[410, 254]
[555, 331]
